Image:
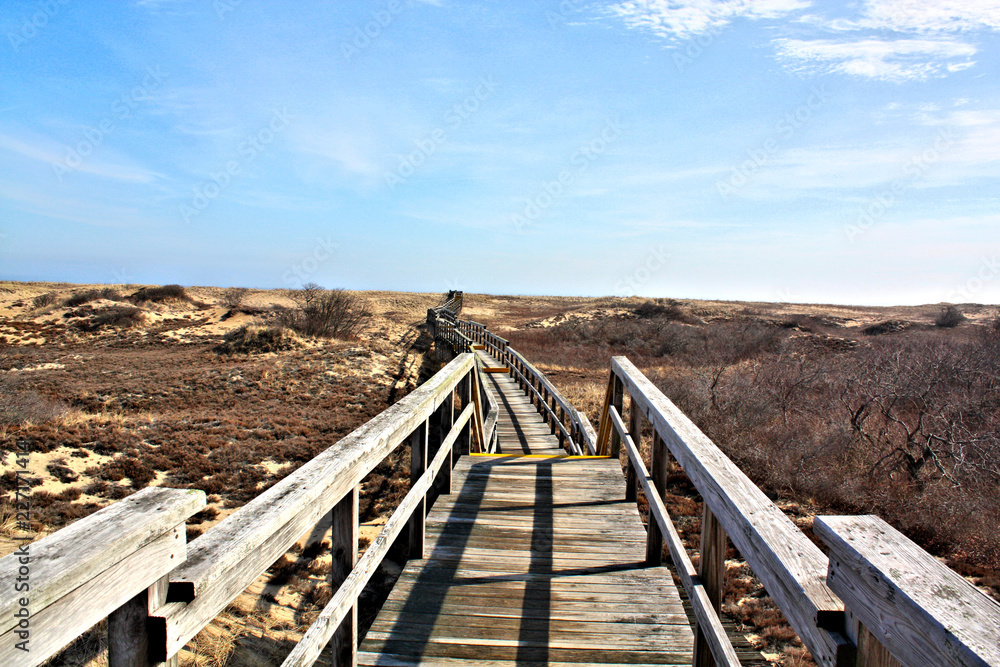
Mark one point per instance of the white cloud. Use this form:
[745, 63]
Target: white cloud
[887, 60]
[930, 16]
[44, 150]
[682, 19]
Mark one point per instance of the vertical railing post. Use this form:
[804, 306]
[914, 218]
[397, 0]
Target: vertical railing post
[635, 432]
[658, 473]
[344, 545]
[617, 400]
[447, 419]
[418, 464]
[712, 571]
[464, 443]
[128, 628]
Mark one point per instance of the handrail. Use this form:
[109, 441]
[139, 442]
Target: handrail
[308, 649]
[132, 556]
[790, 566]
[721, 648]
[901, 600]
[108, 564]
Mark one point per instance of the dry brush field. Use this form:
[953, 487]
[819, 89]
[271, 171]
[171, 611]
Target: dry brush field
[830, 409]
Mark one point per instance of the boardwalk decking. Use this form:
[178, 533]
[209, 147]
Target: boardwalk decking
[535, 559]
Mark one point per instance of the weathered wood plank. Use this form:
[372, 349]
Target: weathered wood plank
[921, 610]
[230, 556]
[66, 618]
[792, 569]
[67, 559]
[311, 645]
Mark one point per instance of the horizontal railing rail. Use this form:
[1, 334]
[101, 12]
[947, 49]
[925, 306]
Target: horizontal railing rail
[129, 562]
[898, 598]
[111, 564]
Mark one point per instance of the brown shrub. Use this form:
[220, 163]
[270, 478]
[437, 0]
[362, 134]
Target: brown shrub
[19, 404]
[256, 339]
[160, 294]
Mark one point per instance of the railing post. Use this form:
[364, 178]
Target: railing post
[712, 570]
[447, 420]
[464, 442]
[631, 478]
[128, 629]
[344, 546]
[418, 464]
[658, 473]
[617, 400]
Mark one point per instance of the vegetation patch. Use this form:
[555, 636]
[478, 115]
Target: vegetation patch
[119, 317]
[258, 339]
[160, 294]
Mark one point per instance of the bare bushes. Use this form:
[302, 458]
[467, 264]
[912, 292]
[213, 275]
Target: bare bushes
[19, 404]
[118, 317]
[949, 317]
[160, 294]
[258, 339]
[326, 313]
[234, 298]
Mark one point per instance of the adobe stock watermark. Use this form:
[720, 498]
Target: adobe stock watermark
[988, 269]
[654, 262]
[247, 151]
[22, 508]
[223, 7]
[759, 157]
[428, 144]
[563, 11]
[372, 29]
[302, 271]
[550, 191]
[913, 170]
[121, 110]
[33, 25]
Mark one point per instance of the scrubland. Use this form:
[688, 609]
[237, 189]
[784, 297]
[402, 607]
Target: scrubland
[830, 409]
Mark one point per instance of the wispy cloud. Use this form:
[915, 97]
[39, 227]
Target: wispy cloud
[928, 17]
[44, 150]
[678, 20]
[886, 60]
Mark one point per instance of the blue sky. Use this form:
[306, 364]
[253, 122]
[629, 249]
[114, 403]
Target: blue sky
[775, 150]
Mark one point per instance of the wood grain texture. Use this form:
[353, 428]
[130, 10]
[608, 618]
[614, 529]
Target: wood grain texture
[704, 610]
[533, 560]
[344, 600]
[65, 619]
[69, 558]
[232, 554]
[914, 605]
[791, 567]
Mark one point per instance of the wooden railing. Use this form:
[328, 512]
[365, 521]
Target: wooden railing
[129, 561]
[902, 606]
[575, 433]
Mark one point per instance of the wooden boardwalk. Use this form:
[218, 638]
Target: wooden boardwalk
[535, 559]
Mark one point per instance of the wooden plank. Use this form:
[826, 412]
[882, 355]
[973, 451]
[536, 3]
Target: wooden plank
[792, 569]
[708, 620]
[921, 610]
[311, 645]
[233, 553]
[418, 460]
[344, 548]
[73, 613]
[67, 559]
[658, 480]
[712, 571]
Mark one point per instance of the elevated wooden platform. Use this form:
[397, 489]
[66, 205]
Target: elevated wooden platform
[520, 428]
[534, 559]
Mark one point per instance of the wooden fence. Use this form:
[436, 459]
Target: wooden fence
[573, 429]
[129, 562]
[878, 600]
